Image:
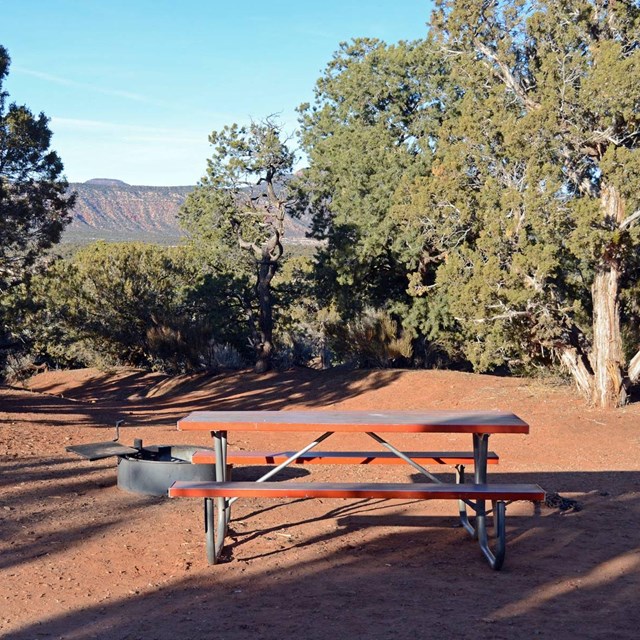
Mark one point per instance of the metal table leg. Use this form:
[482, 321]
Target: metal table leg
[462, 504]
[480, 449]
[495, 560]
[215, 535]
[222, 473]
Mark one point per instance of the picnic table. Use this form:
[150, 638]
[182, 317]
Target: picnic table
[325, 424]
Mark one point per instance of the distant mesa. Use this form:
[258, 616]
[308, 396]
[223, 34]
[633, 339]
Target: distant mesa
[114, 210]
[107, 182]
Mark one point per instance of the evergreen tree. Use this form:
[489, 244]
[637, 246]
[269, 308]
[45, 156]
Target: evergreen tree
[365, 130]
[34, 205]
[129, 303]
[531, 210]
[236, 216]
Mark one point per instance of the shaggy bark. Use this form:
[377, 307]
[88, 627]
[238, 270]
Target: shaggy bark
[607, 360]
[267, 267]
[577, 367]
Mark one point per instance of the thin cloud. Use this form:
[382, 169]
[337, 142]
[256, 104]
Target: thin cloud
[66, 82]
[90, 125]
[102, 125]
[117, 93]
[176, 138]
[128, 132]
[217, 118]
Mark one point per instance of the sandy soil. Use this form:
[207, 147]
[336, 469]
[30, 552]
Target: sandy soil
[80, 558]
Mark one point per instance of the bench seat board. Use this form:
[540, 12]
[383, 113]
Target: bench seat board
[423, 491]
[207, 456]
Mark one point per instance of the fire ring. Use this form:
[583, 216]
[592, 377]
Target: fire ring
[153, 469]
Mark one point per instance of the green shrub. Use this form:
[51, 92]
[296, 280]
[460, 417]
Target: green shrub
[129, 304]
[372, 339]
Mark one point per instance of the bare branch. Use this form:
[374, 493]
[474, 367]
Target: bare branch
[272, 244]
[630, 220]
[634, 368]
[256, 214]
[509, 315]
[506, 76]
[244, 244]
[575, 364]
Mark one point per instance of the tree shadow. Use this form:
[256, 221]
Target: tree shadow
[39, 497]
[404, 573]
[251, 473]
[143, 399]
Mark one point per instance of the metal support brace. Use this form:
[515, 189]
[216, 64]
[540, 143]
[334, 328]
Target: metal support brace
[404, 457]
[290, 459]
[431, 477]
[215, 536]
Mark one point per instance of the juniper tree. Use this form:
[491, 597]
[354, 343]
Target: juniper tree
[34, 204]
[128, 303]
[531, 211]
[362, 133]
[236, 215]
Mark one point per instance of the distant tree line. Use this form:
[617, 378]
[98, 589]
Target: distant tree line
[476, 195]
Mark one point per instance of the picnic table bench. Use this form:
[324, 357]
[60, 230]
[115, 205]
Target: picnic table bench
[223, 492]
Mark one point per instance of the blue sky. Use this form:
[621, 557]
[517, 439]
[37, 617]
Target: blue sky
[133, 88]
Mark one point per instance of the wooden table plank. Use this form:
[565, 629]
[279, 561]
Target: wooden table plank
[424, 491]
[208, 456]
[428, 421]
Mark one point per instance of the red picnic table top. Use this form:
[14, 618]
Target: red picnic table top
[427, 421]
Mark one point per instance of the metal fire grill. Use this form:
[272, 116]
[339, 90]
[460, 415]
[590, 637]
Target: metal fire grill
[149, 470]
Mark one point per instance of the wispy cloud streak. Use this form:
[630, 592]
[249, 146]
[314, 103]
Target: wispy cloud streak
[66, 82]
[117, 93]
[129, 132]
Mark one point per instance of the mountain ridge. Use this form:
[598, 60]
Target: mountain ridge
[110, 209]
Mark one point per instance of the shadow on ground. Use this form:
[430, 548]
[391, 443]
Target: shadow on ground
[141, 398]
[422, 576]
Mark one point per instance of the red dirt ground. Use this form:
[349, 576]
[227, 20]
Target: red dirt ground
[81, 559]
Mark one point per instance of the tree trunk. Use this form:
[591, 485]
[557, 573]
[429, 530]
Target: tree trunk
[576, 365]
[607, 358]
[264, 347]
